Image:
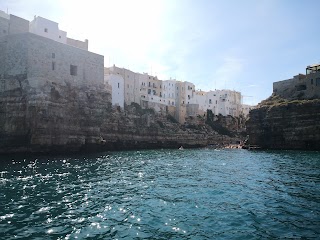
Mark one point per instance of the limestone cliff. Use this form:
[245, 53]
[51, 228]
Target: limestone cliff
[282, 124]
[53, 117]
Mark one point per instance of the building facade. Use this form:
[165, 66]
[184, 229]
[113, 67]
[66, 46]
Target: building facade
[301, 86]
[182, 98]
[116, 82]
[40, 59]
[11, 24]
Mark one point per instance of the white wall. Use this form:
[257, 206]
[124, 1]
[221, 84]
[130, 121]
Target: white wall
[189, 91]
[47, 28]
[168, 92]
[117, 85]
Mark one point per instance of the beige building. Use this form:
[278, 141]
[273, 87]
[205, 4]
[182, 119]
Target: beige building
[301, 86]
[131, 83]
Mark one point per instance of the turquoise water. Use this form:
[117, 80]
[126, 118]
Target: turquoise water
[162, 194]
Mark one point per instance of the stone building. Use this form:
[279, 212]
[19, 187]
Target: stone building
[11, 24]
[37, 59]
[301, 86]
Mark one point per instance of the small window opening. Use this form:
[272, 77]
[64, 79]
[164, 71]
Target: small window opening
[46, 30]
[73, 70]
[53, 66]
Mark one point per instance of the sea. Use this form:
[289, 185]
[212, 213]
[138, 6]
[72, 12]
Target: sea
[161, 194]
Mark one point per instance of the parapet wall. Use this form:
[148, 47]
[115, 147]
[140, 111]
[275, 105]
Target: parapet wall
[78, 44]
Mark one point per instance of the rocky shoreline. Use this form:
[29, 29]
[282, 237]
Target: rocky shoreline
[56, 118]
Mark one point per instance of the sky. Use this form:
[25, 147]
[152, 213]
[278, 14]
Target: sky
[216, 44]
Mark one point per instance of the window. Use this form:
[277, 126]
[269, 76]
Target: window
[189, 97]
[149, 83]
[59, 36]
[302, 87]
[46, 30]
[172, 103]
[118, 85]
[149, 91]
[53, 55]
[154, 92]
[317, 81]
[210, 101]
[311, 81]
[73, 70]
[53, 66]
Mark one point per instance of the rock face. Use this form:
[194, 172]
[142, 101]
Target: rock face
[61, 118]
[286, 125]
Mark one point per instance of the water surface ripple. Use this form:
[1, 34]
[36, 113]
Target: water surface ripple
[162, 194]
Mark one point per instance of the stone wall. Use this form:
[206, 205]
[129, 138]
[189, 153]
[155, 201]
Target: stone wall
[11, 24]
[299, 87]
[77, 43]
[44, 60]
[18, 25]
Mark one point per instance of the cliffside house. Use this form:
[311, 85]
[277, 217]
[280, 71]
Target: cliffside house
[301, 86]
[39, 52]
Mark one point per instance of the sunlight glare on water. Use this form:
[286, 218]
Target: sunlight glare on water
[162, 194]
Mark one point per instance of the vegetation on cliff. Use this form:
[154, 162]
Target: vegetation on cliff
[276, 101]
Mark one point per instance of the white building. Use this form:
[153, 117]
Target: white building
[168, 92]
[50, 29]
[47, 28]
[245, 109]
[117, 88]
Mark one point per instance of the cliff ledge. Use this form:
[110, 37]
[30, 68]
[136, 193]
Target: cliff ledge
[64, 118]
[285, 124]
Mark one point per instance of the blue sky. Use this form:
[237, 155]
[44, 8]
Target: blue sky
[239, 45]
